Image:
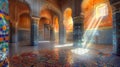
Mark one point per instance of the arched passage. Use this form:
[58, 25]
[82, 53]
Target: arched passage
[51, 19]
[57, 12]
[68, 23]
[44, 29]
[45, 24]
[56, 28]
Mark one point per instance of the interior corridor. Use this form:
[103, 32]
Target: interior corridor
[59, 33]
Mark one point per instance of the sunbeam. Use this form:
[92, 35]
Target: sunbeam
[95, 21]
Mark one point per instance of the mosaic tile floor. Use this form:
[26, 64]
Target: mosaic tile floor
[64, 58]
[47, 56]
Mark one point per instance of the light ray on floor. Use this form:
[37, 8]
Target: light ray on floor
[80, 51]
[43, 41]
[65, 45]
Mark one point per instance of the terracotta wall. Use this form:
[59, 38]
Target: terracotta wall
[16, 8]
[24, 22]
[46, 14]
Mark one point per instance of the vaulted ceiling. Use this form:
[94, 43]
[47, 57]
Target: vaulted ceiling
[57, 6]
[38, 5]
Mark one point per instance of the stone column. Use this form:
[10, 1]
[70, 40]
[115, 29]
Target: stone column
[13, 33]
[116, 33]
[13, 44]
[52, 34]
[34, 32]
[62, 33]
[78, 31]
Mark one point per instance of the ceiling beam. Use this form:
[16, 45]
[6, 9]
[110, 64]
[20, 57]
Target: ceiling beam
[116, 3]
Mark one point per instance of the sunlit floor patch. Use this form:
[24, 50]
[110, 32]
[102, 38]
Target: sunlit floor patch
[65, 45]
[80, 51]
[44, 41]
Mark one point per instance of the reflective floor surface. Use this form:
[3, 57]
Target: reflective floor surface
[48, 54]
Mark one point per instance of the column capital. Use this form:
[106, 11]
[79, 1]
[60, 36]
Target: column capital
[78, 19]
[36, 19]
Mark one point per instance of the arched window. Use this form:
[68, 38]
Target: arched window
[101, 10]
[68, 21]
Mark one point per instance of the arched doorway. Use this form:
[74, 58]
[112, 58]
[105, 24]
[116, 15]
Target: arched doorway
[44, 29]
[23, 28]
[68, 23]
[49, 25]
[56, 28]
[46, 24]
